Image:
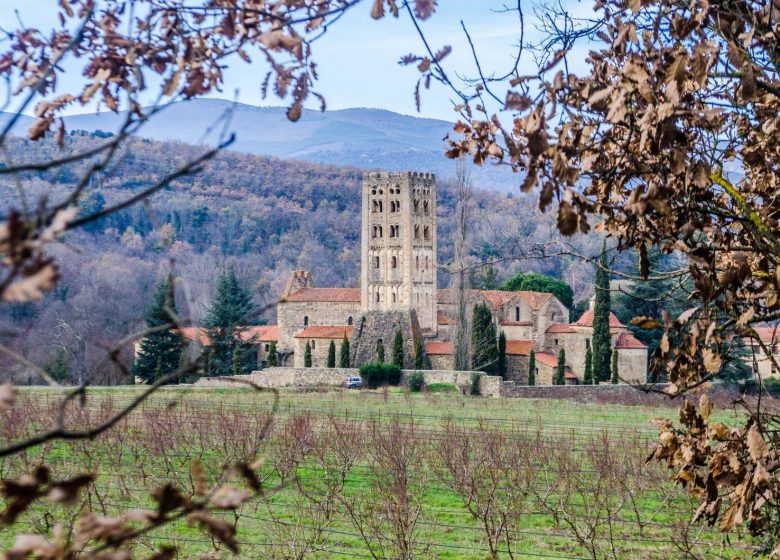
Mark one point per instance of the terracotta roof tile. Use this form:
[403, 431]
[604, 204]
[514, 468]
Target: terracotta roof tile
[587, 320]
[519, 347]
[498, 298]
[262, 333]
[547, 359]
[435, 348]
[627, 341]
[196, 334]
[326, 331]
[560, 328]
[330, 295]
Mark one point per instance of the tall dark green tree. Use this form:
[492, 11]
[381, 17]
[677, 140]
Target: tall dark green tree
[398, 349]
[602, 341]
[419, 354]
[272, 358]
[236, 366]
[159, 351]
[225, 320]
[560, 372]
[502, 355]
[344, 353]
[484, 351]
[587, 378]
[614, 374]
[307, 355]
[532, 368]
[380, 352]
[540, 283]
[332, 354]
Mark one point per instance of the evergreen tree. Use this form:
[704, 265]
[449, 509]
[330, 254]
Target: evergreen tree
[236, 361]
[532, 368]
[502, 355]
[344, 357]
[272, 359]
[419, 355]
[229, 312]
[59, 367]
[483, 340]
[159, 351]
[614, 379]
[332, 354]
[380, 352]
[560, 374]
[587, 378]
[307, 355]
[602, 341]
[398, 349]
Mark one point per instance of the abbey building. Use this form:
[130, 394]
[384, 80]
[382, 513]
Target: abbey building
[398, 290]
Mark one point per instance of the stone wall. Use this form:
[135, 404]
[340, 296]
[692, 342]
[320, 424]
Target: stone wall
[319, 354]
[632, 364]
[334, 377]
[517, 368]
[440, 361]
[382, 325]
[290, 318]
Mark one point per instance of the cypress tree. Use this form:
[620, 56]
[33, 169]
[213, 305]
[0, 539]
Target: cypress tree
[307, 355]
[332, 354]
[344, 357]
[614, 379]
[380, 352]
[532, 368]
[159, 351]
[398, 349]
[236, 361]
[272, 359]
[560, 375]
[602, 341]
[419, 355]
[229, 311]
[483, 340]
[587, 378]
[502, 355]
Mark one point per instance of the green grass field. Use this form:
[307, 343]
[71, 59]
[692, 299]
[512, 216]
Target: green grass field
[381, 474]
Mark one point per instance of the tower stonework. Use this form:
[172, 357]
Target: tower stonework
[398, 245]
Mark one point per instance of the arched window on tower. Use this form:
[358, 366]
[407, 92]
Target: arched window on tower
[380, 204]
[397, 205]
[394, 262]
[375, 207]
[377, 297]
[517, 313]
[425, 206]
[392, 206]
[426, 263]
[394, 297]
[417, 262]
[416, 206]
[426, 232]
[379, 228]
[417, 232]
[349, 320]
[376, 262]
[305, 320]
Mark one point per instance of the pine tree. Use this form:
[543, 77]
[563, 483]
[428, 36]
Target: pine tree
[332, 354]
[307, 355]
[344, 357]
[159, 351]
[272, 359]
[419, 355]
[602, 341]
[560, 374]
[229, 312]
[483, 340]
[398, 349]
[532, 368]
[380, 352]
[587, 378]
[502, 355]
[615, 379]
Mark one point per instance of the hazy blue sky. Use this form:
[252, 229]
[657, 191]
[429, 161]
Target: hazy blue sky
[358, 57]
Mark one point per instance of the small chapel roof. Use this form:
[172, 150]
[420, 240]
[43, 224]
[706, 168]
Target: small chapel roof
[547, 359]
[497, 298]
[519, 347]
[560, 328]
[627, 341]
[326, 331]
[587, 320]
[328, 295]
[436, 348]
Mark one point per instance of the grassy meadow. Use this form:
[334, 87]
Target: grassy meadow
[379, 474]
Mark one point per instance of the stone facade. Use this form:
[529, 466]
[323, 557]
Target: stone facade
[319, 339]
[376, 326]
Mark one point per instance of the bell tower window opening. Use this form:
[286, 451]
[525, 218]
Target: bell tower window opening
[349, 320]
[416, 206]
[425, 206]
[394, 297]
[394, 262]
[380, 204]
[517, 313]
[376, 262]
[377, 297]
[375, 207]
[305, 320]
[426, 233]
[417, 232]
[417, 262]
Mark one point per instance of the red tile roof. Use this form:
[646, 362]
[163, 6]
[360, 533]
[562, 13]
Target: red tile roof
[560, 328]
[519, 347]
[516, 323]
[587, 320]
[331, 295]
[263, 333]
[769, 335]
[196, 334]
[569, 374]
[547, 359]
[326, 331]
[627, 341]
[442, 318]
[497, 298]
[435, 348]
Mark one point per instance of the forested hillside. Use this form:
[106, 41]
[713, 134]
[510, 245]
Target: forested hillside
[265, 216]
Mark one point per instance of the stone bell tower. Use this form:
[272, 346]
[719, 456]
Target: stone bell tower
[398, 245]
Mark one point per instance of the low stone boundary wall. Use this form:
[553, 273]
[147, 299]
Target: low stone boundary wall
[276, 377]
